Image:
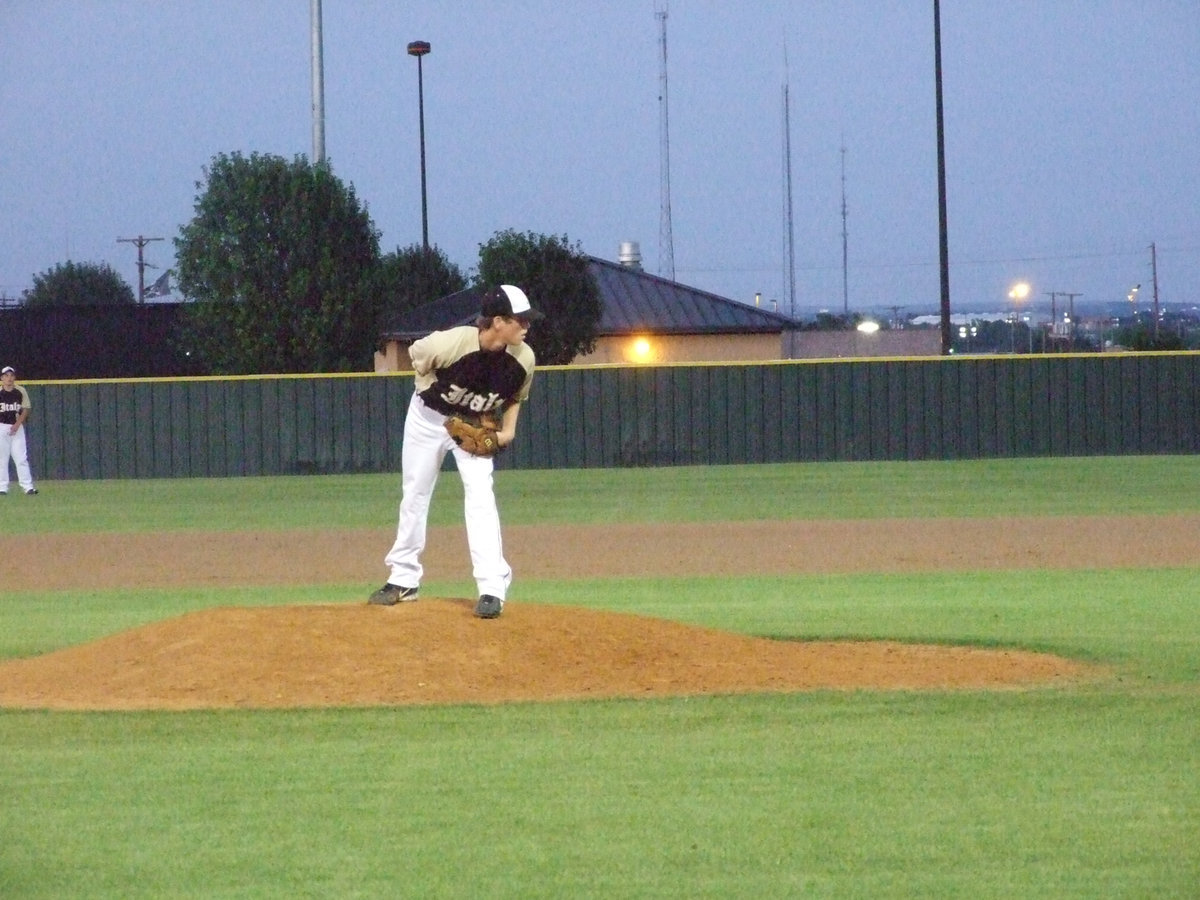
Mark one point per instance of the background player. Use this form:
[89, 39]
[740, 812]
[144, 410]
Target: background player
[477, 370]
[14, 410]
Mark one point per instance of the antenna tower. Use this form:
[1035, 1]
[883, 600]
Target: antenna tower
[789, 250]
[845, 266]
[666, 243]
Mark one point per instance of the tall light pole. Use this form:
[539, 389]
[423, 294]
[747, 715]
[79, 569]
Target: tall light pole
[318, 83]
[943, 228]
[1154, 272]
[1018, 295]
[419, 49]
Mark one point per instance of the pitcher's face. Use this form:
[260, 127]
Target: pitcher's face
[513, 329]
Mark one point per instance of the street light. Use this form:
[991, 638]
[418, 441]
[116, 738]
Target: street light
[419, 49]
[968, 335]
[1018, 294]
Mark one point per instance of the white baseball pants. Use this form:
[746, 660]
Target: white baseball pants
[425, 445]
[12, 446]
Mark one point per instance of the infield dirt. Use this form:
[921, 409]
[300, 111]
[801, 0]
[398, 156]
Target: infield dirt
[346, 653]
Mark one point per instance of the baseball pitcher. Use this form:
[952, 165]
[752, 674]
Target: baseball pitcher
[470, 384]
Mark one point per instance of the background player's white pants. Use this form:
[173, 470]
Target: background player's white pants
[13, 446]
[425, 445]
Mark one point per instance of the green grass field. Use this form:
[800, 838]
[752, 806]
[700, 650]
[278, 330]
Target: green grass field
[1087, 791]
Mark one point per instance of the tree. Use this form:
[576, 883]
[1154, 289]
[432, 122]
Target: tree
[79, 284]
[414, 276]
[555, 276]
[826, 321]
[279, 258]
[1142, 337]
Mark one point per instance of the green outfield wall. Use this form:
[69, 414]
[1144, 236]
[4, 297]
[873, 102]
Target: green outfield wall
[618, 416]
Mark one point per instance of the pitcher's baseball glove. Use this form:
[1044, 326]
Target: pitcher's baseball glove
[476, 437]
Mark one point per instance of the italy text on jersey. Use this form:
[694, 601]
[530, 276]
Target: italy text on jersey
[464, 398]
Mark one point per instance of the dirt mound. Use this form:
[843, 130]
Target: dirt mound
[436, 651]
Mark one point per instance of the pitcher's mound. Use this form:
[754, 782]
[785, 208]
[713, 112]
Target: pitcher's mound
[436, 651]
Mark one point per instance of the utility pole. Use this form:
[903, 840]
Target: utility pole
[1053, 295]
[140, 242]
[1071, 315]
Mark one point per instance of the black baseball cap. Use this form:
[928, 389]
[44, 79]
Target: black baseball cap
[508, 300]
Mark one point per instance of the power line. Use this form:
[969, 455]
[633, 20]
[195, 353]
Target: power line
[959, 263]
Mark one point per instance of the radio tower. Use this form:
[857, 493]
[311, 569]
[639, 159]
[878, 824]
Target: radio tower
[789, 249]
[845, 279]
[666, 243]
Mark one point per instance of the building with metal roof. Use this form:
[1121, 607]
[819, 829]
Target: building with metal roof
[644, 319]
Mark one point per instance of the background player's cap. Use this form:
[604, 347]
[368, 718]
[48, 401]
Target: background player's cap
[508, 300]
[8, 369]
